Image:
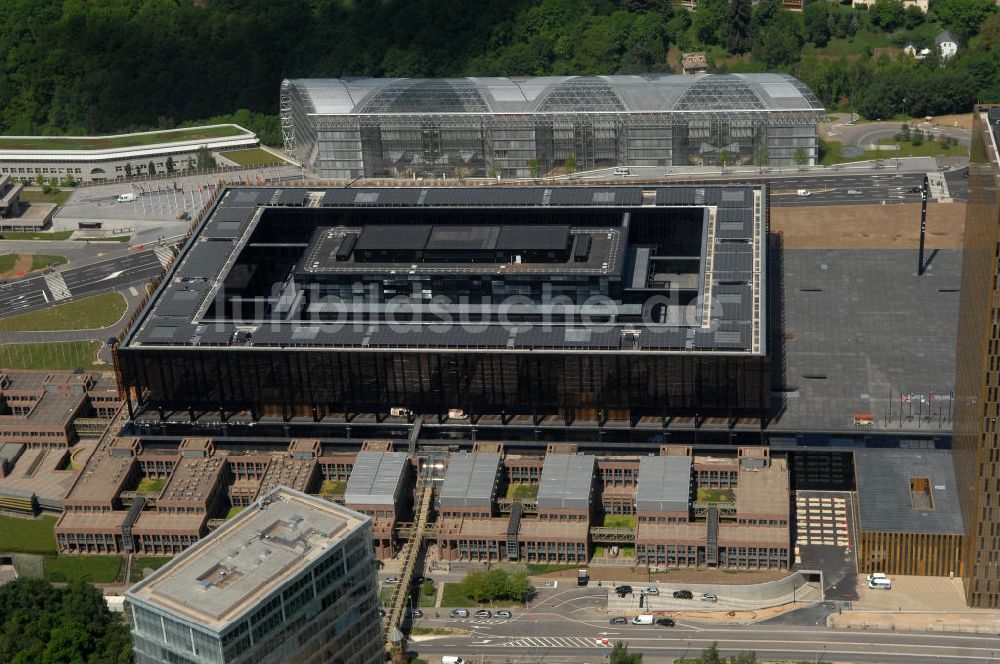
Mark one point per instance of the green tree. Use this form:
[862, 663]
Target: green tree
[887, 15]
[963, 17]
[205, 159]
[169, 164]
[707, 19]
[989, 33]
[913, 17]
[570, 164]
[817, 18]
[533, 167]
[918, 138]
[737, 26]
[67, 644]
[40, 180]
[801, 157]
[762, 157]
[646, 46]
[518, 587]
[152, 167]
[779, 42]
[710, 655]
[128, 170]
[621, 655]
[723, 158]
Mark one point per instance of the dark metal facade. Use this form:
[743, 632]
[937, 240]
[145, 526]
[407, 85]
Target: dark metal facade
[324, 382]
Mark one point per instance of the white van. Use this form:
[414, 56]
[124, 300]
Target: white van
[804, 192]
[880, 584]
[644, 619]
[876, 575]
[451, 659]
[126, 198]
[622, 172]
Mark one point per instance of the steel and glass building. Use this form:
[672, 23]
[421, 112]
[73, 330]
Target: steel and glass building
[289, 579]
[529, 127]
[582, 303]
[976, 435]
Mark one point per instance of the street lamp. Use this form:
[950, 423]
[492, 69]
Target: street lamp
[818, 654]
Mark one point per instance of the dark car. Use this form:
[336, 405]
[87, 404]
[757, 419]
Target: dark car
[665, 622]
[683, 594]
[623, 590]
[916, 190]
[417, 613]
[484, 613]
[619, 620]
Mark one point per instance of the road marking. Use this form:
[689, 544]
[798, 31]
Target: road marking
[56, 284]
[164, 254]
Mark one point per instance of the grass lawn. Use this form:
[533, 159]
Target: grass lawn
[454, 595]
[517, 491]
[706, 495]
[38, 261]
[28, 535]
[623, 551]
[112, 238]
[95, 569]
[333, 488]
[855, 45]
[108, 142]
[63, 355]
[7, 262]
[253, 157]
[30, 235]
[36, 196]
[233, 511]
[86, 314]
[541, 568]
[151, 485]
[928, 148]
[150, 562]
[831, 151]
[619, 521]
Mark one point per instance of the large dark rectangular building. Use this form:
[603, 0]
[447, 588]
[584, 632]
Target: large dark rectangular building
[589, 303]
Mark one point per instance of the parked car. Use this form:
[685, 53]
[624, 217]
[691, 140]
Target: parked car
[391, 580]
[709, 597]
[619, 620]
[622, 172]
[484, 613]
[683, 594]
[623, 590]
[804, 192]
[504, 613]
[652, 590]
[459, 613]
[416, 613]
[853, 192]
[916, 190]
[381, 612]
[665, 622]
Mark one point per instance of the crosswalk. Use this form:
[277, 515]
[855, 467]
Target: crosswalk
[57, 286]
[163, 254]
[554, 642]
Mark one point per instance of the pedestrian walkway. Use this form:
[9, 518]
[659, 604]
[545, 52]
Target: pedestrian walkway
[548, 642]
[57, 286]
[164, 255]
[938, 187]
[821, 520]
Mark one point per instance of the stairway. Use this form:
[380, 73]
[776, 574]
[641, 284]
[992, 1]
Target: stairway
[513, 524]
[712, 543]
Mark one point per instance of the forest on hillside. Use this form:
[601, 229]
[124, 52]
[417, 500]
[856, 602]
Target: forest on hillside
[81, 67]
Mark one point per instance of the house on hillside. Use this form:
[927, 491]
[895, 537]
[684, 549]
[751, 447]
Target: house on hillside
[695, 63]
[947, 45]
[915, 53]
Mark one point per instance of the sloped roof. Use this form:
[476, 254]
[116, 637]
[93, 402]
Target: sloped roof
[557, 94]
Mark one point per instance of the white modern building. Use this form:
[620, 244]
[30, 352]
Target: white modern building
[947, 45]
[98, 158]
[289, 579]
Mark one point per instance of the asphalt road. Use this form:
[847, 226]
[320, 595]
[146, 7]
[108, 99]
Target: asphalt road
[98, 277]
[566, 625]
[872, 189]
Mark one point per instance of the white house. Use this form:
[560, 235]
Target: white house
[912, 51]
[947, 45]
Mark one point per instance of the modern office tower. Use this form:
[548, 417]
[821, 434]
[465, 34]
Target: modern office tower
[289, 579]
[977, 383]
[534, 126]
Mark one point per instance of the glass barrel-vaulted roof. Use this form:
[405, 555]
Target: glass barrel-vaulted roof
[649, 93]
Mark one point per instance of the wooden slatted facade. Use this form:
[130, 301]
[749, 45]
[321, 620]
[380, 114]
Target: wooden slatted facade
[918, 554]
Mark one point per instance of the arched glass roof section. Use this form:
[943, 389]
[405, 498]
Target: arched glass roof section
[650, 93]
[427, 96]
[582, 94]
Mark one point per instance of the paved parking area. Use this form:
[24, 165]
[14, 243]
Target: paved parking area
[914, 593]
